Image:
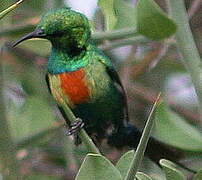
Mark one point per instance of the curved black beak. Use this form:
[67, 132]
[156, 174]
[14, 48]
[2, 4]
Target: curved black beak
[37, 33]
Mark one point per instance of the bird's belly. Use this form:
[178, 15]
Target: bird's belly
[74, 86]
[71, 87]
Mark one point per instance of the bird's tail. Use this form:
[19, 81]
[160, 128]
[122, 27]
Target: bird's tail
[129, 136]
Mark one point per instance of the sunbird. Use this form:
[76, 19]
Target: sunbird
[83, 77]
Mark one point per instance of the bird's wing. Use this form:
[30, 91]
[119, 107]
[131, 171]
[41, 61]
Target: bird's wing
[117, 82]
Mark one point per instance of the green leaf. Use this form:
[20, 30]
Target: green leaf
[152, 169]
[125, 14]
[34, 117]
[9, 9]
[107, 7]
[97, 167]
[142, 176]
[33, 81]
[124, 162]
[41, 47]
[198, 176]
[138, 156]
[170, 170]
[152, 22]
[174, 130]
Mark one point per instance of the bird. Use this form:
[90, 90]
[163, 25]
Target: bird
[82, 76]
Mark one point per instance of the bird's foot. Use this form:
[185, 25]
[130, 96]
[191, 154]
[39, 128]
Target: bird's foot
[75, 127]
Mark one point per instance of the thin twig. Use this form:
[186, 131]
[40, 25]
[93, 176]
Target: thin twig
[125, 71]
[143, 66]
[193, 8]
[163, 51]
[187, 46]
[115, 34]
[11, 8]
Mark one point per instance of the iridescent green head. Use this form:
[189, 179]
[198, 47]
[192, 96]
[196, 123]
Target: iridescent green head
[64, 27]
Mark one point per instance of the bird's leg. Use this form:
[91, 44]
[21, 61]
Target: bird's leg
[75, 127]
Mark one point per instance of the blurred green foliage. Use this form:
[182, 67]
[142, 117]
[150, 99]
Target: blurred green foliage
[34, 121]
[108, 10]
[124, 11]
[97, 167]
[183, 135]
[170, 170]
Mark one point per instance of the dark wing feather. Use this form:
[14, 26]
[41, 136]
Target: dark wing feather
[48, 84]
[117, 82]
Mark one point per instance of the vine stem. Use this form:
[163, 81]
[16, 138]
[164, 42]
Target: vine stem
[187, 46]
[139, 153]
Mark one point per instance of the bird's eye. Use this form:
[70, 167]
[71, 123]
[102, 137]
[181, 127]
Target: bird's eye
[58, 34]
[41, 33]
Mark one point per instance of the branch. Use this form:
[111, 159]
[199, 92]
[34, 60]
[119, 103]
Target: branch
[11, 8]
[115, 34]
[187, 46]
[194, 7]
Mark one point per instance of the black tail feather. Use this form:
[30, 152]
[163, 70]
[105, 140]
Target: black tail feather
[125, 136]
[129, 136]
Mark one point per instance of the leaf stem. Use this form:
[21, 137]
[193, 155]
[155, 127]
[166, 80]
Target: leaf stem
[187, 46]
[142, 144]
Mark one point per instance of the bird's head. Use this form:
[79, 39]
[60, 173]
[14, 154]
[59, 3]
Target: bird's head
[63, 27]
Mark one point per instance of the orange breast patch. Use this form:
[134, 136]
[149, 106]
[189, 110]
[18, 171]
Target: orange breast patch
[74, 86]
